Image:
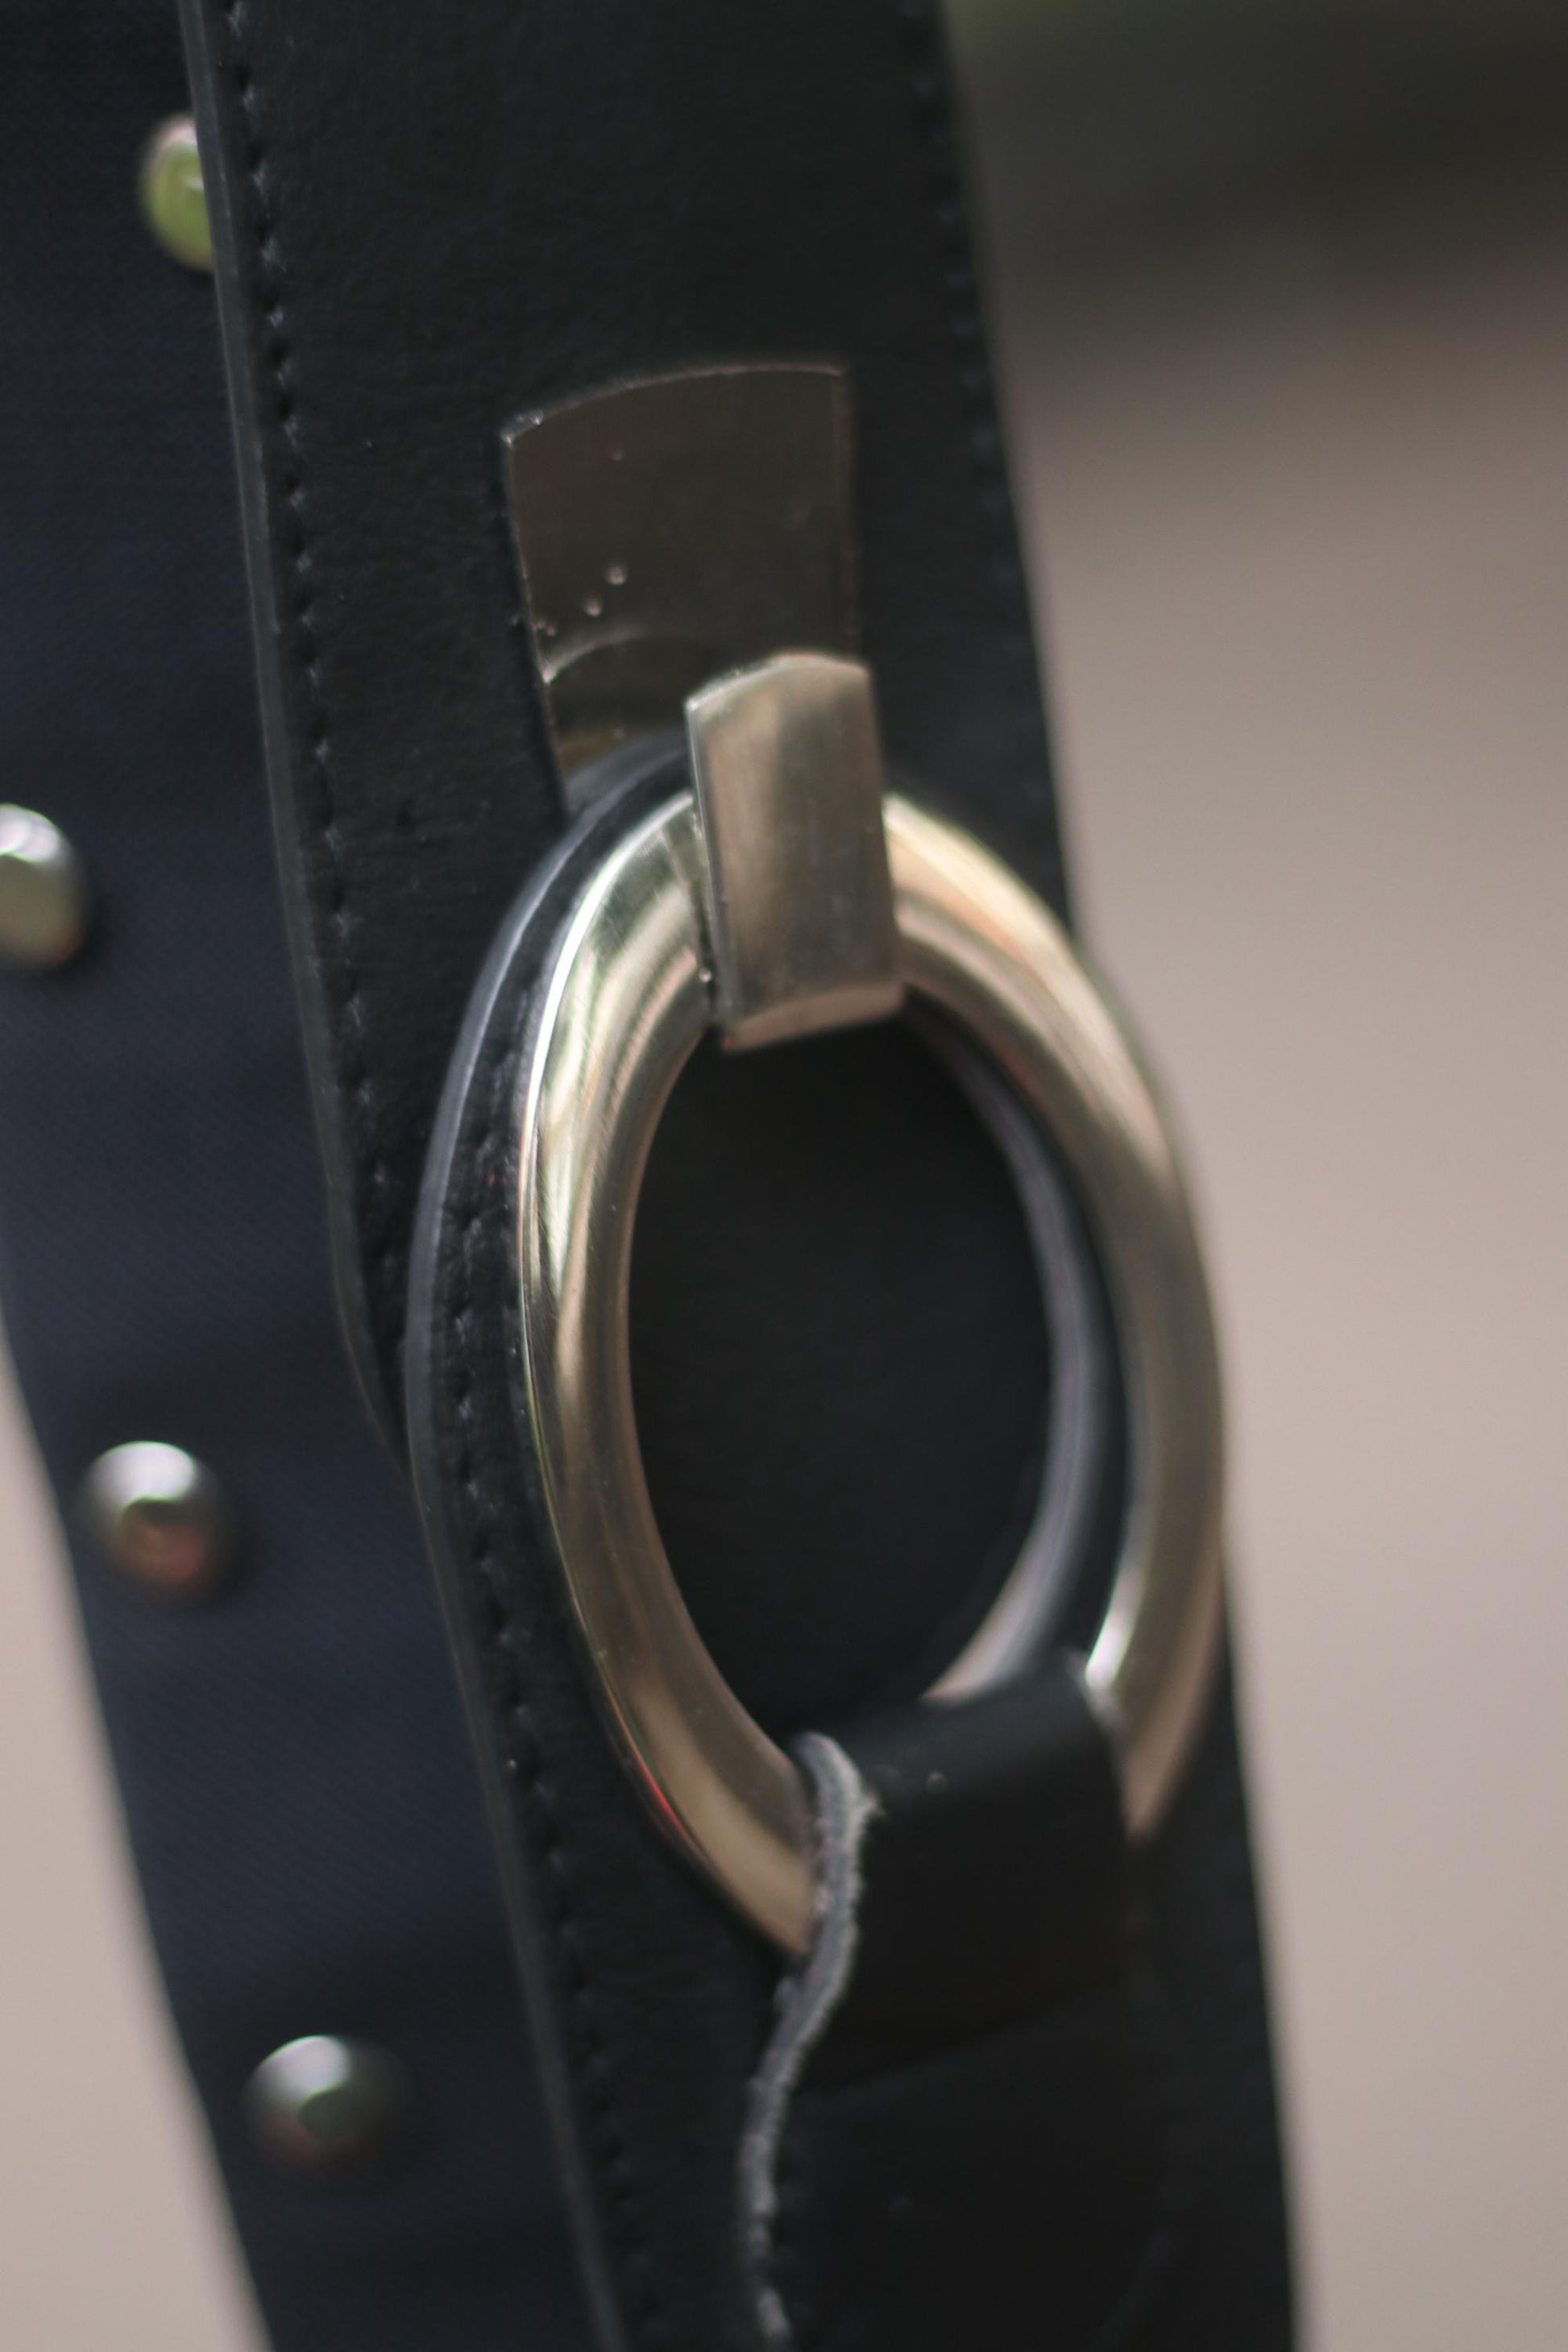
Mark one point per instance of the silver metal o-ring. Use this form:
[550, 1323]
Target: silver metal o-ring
[626, 999]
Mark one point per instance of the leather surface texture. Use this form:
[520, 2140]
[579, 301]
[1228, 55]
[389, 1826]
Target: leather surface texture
[290, 1756]
[963, 2121]
[429, 220]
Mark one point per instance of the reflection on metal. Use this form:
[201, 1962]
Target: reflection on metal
[626, 1001]
[160, 1516]
[789, 793]
[1025, 1618]
[323, 2104]
[174, 199]
[43, 892]
[673, 529]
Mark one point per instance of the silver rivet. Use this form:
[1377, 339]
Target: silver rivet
[173, 200]
[160, 1516]
[323, 2104]
[43, 892]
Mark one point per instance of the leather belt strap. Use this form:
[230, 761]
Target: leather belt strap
[1020, 2088]
[426, 227]
[430, 225]
[289, 1756]
[985, 2101]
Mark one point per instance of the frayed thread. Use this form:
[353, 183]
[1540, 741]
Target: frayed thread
[808, 1997]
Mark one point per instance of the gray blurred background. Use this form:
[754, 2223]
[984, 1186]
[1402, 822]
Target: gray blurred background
[1282, 301]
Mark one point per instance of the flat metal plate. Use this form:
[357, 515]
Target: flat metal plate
[671, 530]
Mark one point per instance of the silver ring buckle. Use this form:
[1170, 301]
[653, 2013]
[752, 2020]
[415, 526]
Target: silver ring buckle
[788, 893]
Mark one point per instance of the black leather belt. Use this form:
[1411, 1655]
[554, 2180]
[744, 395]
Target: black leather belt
[618, 460]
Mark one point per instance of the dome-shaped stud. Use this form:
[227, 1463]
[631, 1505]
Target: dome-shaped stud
[174, 199]
[159, 1516]
[44, 898]
[323, 2104]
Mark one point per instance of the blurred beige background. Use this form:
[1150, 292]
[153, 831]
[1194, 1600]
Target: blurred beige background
[1300, 509]
[1295, 478]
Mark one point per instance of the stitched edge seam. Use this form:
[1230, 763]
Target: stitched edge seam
[523, 1751]
[282, 369]
[931, 85]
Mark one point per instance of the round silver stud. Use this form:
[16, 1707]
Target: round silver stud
[323, 2104]
[173, 200]
[43, 892]
[161, 1516]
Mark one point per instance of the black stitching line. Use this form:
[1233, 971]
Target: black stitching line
[523, 1750]
[931, 86]
[282, 370]
[523, 1758]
